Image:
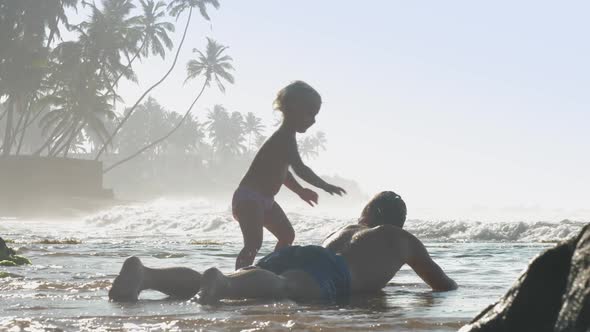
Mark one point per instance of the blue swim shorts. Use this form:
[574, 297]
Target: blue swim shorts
[328, 269]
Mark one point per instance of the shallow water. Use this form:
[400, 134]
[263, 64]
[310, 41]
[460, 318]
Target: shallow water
[66, 287]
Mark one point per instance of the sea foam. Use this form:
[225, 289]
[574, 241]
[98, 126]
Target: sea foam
[201, 220]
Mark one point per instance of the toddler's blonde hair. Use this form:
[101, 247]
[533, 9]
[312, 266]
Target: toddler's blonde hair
[295, 91]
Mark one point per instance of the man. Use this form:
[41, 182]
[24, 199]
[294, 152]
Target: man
[357, 258]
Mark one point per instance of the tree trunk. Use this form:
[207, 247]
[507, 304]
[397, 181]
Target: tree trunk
[17, 129]
[156, 142]
[3, 114]
[112, 86]
[27, 124]
[7, 144]
[60, 143]
[75, 133]
[24, 130]
[52, 32]
[132, 109]
[51, 138]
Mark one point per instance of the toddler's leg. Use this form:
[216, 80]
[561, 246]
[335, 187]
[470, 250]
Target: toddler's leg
[279, 225]
[250, 216]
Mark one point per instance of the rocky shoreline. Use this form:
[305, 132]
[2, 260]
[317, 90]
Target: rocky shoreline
[553, 294]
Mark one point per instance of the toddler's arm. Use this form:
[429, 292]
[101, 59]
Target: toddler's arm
[310, 196]
[308, 175]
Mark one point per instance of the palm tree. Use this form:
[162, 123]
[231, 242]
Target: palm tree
[253, 127]
[226, 131]
[259, 140]
[213, 65]
[319, 141]
[78, 105]
[154, 33]
[110, 33]
[235, 135]
[189, 137]
[24, 29]
[22, 59]
[57, 10]
[176, 7]
[97, 137]
[82, 70]
[143, 126]
[306, 148]
[217, 119]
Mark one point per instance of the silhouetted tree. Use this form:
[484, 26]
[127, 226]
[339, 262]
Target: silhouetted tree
[319, 141]
[176, 8]
[213, 65]
[306, 148]
[253, 127]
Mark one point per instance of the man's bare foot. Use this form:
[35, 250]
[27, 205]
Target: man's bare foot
[127, 284]
[213, 283]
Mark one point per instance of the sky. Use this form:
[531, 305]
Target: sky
[459, 106]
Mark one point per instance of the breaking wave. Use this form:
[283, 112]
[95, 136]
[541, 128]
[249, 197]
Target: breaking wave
[209, 223]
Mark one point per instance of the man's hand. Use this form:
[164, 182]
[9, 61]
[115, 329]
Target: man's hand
[310, 196]
[331, 189]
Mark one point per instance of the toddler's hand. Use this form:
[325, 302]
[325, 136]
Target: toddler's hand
[310, 196]
[332, 189]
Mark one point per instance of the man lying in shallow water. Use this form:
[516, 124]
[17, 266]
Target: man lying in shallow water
[357, 258]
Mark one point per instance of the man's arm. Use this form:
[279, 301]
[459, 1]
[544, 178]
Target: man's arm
[421, 262]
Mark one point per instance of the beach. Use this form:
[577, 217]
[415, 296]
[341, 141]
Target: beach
[75, 261]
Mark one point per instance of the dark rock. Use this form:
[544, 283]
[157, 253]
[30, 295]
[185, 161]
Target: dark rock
[4, 250]
[8, 256]
[556, 284]
[575, 311]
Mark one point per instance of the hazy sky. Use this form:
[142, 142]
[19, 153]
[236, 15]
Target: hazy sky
[455, 104]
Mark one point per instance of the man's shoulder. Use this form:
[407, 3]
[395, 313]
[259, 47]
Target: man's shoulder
[395, 233]
[391, 229]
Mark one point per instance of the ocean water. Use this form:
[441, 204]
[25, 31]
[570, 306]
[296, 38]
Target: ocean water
[75, 261]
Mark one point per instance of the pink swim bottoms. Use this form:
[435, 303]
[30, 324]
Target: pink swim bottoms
[246, 194]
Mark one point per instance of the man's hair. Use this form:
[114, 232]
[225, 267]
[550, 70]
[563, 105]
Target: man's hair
[297, 90]
[386, 208]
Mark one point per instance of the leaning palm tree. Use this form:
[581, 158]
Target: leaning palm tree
[176, 7]
[77, 106]
[213, 65]
[153, 33]
[84, 69]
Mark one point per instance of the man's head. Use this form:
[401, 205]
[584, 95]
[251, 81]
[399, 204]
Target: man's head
[386, 208]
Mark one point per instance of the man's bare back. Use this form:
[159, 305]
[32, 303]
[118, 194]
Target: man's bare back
[375, 254]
